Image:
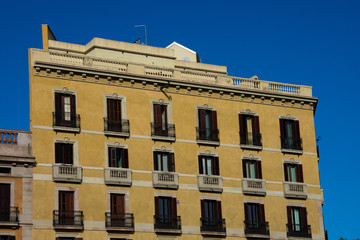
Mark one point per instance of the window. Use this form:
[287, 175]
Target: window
[114, 117]
[249, 130]
[293, 172]
[297, 220]
[165, 211]
[5, 202]
[117, 210]
[66, 208]
[290, 134]
[207, 129]
[64, 153]
[252, 169]
[160, 119]
[254, 216]
[65, 110]
[208, 165]
[211, 215]
[118, 157]
[164, 161]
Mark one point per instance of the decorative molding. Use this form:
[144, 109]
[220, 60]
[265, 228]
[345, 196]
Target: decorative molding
[163, 149]
[259, 201]
[291, 161]
[251, 157]
[207, 153]
[247, 112]
[288, 117]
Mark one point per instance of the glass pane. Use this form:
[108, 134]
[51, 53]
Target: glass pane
[296, 219]
[249, 130]
[252, 169]
[209, 167]
[165, 162]
[159, 161]
[293, 174]
[207, 123]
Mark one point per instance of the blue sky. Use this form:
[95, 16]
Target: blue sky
[304, 42]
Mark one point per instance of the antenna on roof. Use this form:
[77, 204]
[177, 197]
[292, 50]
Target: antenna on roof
[145, 36]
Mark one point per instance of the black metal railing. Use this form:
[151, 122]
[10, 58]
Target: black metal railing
[256, 227]
[59, 120]
[68, 218]
[251, 139]
[207, 134]
[121, 220]
[162, 130]
[291, 143]
[213, 225]
[298, 230]
[9, 214]
[167, 222]
[121, 125]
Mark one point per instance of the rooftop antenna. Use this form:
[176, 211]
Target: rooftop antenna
[145, 36]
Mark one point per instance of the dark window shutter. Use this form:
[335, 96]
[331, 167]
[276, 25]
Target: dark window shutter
[246, 212]
[299, 173]
[261, 213]
[303, 217]
[72, 107]
[157, 114]
[213, 120]
[242, 129]
[173, 209]
[216, 170]
[286, 172]
[244, 168]
[218, 210]
[200, 165]
[68, 153]
[296, 129]
[201, 115]
[282, 127]
[171, 162]
[71, 153]
[57, 153]
[125, 158]
[202, 202]
[156, 205]
[289, 215]
[57, 238]
[112, 156]
[165, 110]
[258, 172]
[156, 167]
[256, 125]
[58, 103]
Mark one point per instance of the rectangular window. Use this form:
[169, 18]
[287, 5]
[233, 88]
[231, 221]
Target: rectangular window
[249, 130]
[117, 210]
[293, 172]
[207, 129]
[211, 212]
[65, 110]
[118, 157]
[290, 134]
[165, 210]
[66, 208]
[252, 169]
[254, 216]
[208, 165]
[5, 202]
[64, 153]
[114, 115]
[160, 124]
[164, 161]
[297, 219]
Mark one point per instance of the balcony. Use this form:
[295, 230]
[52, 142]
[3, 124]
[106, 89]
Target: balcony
[67, 173]
[163, 132]
[253, 186]
[122, 222]
[298, 230]
[9, 216]
[210, 183]
[250, 141]
[255, 229]
[295, 190]
[165, 179]
[68, 220]
[213, 227]
[59, 124]
[117, 128]
[207, 136]
[291, 145]
[167, 224]
[117, 176]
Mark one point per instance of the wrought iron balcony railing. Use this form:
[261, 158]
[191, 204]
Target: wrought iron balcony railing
[60, 123]
[256, 227]
[250, 139]
[119, 220]
[291, 143]
[299, 230]
[68, 218]
[121, 126]
[207, 134]
[9, 214]
[162, 130]
[167, 222]
[213, 225]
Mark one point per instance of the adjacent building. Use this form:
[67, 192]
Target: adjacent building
[141, 142]
[16, 176]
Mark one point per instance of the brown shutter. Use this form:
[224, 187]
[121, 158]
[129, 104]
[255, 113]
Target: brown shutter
[299, 173]
[157, 114]
[242, 129]
[201, 115]
[296, 134]
[57, 238]
[58, 106]
[286, 172]
[117, 203]
[171, 163]
[213, 120]
[111, 156]
[244, 168]
[117, 110]
[261, 213]
[125, 158]
[216, 170]
[200, 165]
[173, 210]
[289, 215]
[218, 210]
[202, 202]
[246, 210]
[72, 107]
[282, 127]
[256, 125]
[258, 173]
[71, 153]
[303, 217]
[156, 167]
[4, 195]
[166, 119]
[57, 153]
[156, 205]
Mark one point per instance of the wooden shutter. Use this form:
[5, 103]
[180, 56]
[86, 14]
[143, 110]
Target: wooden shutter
[156, 167]
[4, 195]
[201, 115]
[218, 213]
[57, 238]
[173, 210]
[117, 203]
[216, 167]
[112, 156]
[156, 205]
[282, 127]
[66, 201]
[166, 118]
[157, 114]
[244, 168]
[68, 153]
[213, 124]
[171, 162]
[58, 103]
[72, 107]
[200, 165]
[125, 158]
[296, 134]
[242, 129]
[246, 211]
[256, 125]
[289, 216]
[202, 203]
[303, 218]
[261, 213]
[299, 173]
[57, 153]
[258, 172]
[286, 172]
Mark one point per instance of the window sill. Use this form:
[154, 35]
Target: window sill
[292, 151]
[213, 233]
[69, 227]
[9, 224]
[163, 138]
[257, 235]
[120, 229]
[66, 129]
[251, 147]
[208, 142]
[117, 134]
[164, 230]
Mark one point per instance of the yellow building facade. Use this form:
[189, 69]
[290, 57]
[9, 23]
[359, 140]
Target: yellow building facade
[140, 142]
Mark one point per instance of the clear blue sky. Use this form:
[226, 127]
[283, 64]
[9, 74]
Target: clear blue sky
[305, 42]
